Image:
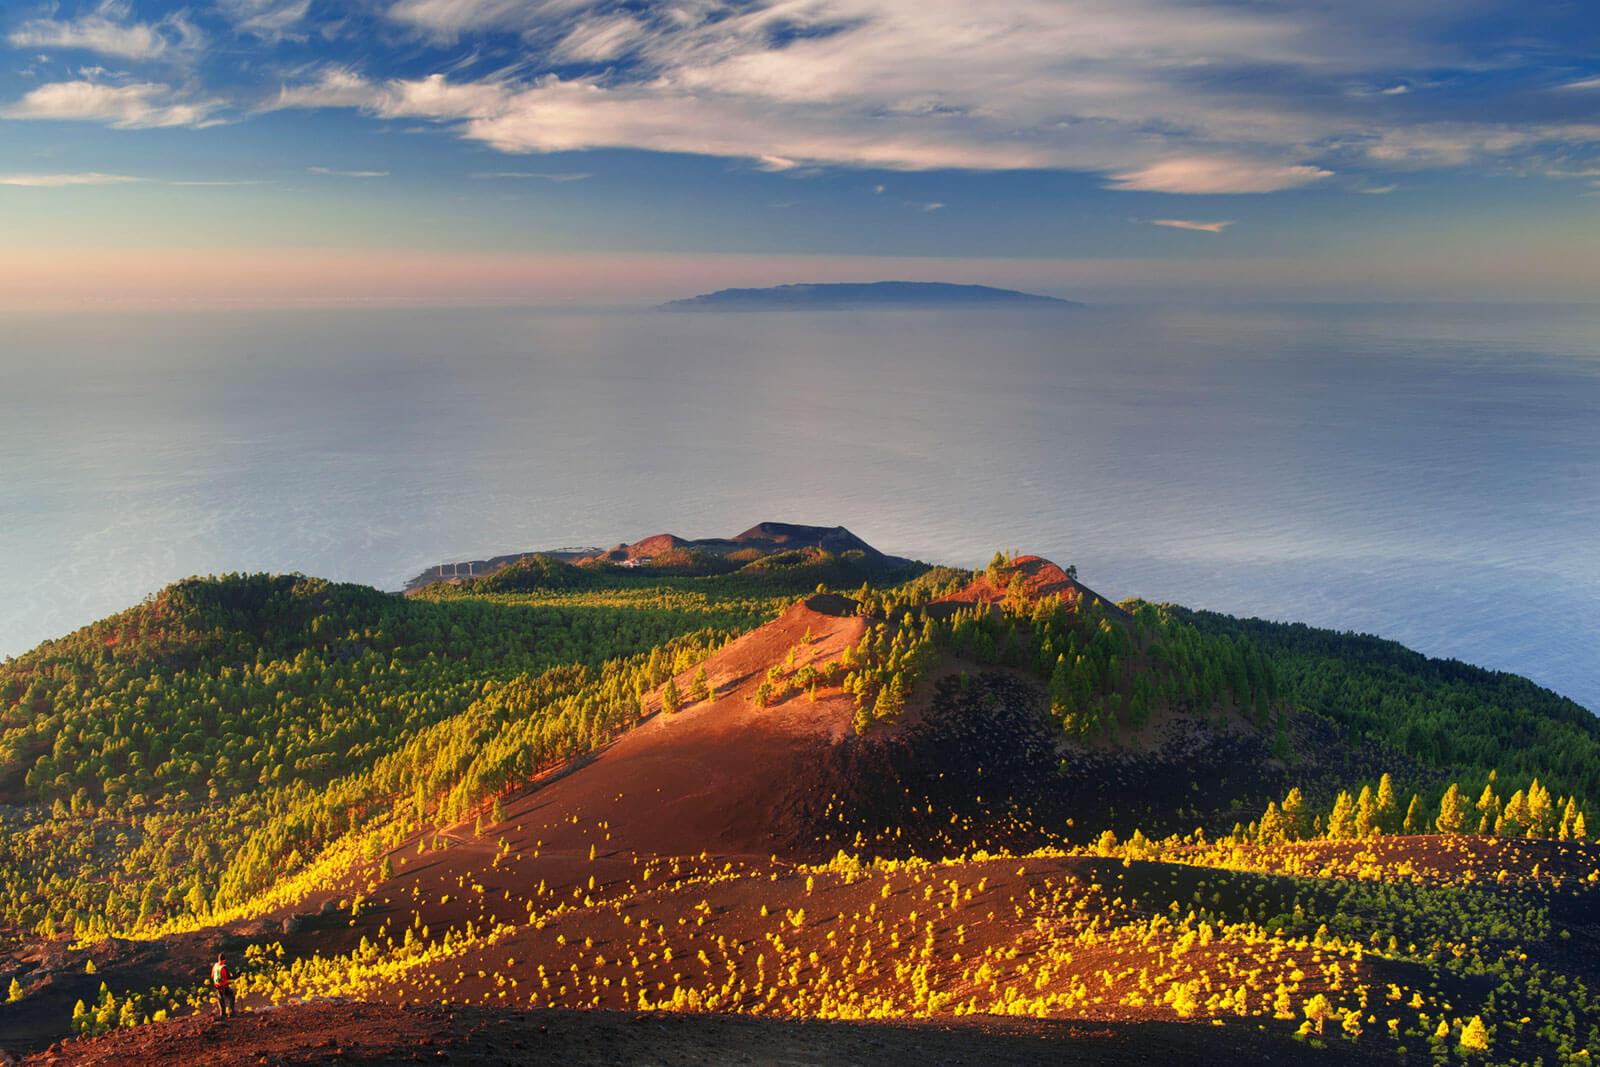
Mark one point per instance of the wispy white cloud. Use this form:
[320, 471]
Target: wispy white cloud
[601, 39]
[554, 115]
[435, 97]
[94, 177]
[108, 31]
[897, 84]
[269, 20]
[576, 176]
[58, 181]
[1191, 224]
[449, 19]
[333, 173]
[133, 106]
[1453, 144]
[333, 87]
[1215, 175]
[1169, 96]
[432, 97]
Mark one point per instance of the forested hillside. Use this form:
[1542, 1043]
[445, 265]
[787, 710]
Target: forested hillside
[1446, 713]
[204, 730]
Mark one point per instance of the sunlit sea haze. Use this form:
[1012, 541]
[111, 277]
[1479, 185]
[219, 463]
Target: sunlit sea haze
[1430, 474]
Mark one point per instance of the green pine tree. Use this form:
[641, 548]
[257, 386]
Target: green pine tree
[1452, 813]
[1294, 814]
[1341, 821]
[1388, 810]
[1514, 820]
[1413, 823]
[861, 721]
[1488, 808]
[891, 700]
[1365, 823]
[1475, 1036]
[1541, 811]
[1568, 816]
[1270, 830]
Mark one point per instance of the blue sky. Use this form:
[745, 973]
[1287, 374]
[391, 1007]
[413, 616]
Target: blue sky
[564, 149]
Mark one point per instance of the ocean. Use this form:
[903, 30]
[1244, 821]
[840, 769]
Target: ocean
[1427, 473]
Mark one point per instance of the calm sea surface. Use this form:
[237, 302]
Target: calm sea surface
[1431, 474]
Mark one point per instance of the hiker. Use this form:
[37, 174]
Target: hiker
[222, 981]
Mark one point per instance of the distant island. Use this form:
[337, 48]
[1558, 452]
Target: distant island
[836, 296]
[763, 547]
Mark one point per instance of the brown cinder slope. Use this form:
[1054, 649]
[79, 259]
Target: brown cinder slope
[713, 776]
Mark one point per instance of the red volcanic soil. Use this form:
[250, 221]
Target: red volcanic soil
[647, 548]
[711, 776]
[1039, 578]
[718, 778]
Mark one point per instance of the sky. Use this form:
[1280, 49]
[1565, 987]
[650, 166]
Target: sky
[561, 151]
